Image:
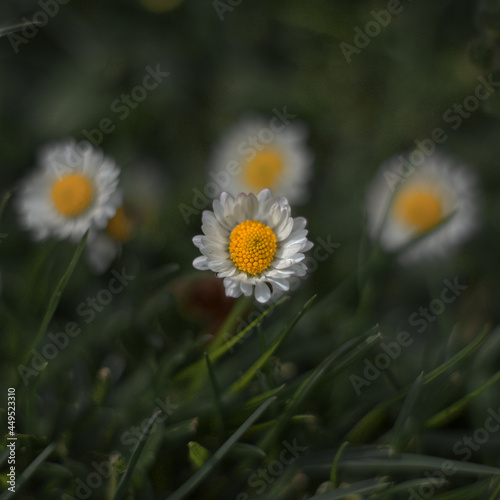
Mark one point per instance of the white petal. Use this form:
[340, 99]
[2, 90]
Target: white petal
[246, 288]
[198, 240]
[299, 223]
[285, 228]
[297, 236]
[282, 263]
[308, 245]
[201, 263]
[288, 251]
[231, 271]
[282, 284]
[232, 287]
[264, 195]
[262, 292]
[220, 213]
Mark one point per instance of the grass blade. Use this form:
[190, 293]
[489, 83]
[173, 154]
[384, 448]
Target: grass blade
[252, 404]
[247, 377]
[7, 30]
[29, 471]
[228, 345]
[405, 415]
[334, 475]
[496, 493]
[215, 393]
[56, 297]
[360, 488]
[448, 414]
[122, 486]
[205, 470]
[348, 351]
[466, 352]
[475, 491]
[404, 488]
[229, 324]
[401, 462]
[359, 432]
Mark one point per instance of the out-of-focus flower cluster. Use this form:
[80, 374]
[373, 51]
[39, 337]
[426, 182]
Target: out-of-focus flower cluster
[419, 206]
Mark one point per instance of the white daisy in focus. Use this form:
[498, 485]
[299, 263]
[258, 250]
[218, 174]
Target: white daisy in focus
[257, 153]
[438, 197]
[70, 192]
[253, 242]
[104, 246]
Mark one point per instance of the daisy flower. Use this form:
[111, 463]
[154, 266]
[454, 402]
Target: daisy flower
[435, 204]
[256, 154]
[70, 192]
[253, 243]
[104, 246]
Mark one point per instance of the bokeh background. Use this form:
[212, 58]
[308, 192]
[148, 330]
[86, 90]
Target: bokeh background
[225, 59]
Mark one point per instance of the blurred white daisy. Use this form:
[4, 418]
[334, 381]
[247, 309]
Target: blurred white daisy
[104, 246]
[70, 192]
[252, 241]
[436, 204]
[257, 153]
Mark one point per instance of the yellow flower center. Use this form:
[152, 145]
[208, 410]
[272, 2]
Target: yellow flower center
[263, 171]
[72, 194]
[120, 227]
[418, 208]
[252, 246]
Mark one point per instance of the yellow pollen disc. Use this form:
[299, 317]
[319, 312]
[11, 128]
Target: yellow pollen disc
[120, 227]
[418, 208]
[252, 246]
[263, 171]
[72, 194]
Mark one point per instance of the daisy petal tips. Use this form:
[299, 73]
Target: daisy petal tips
[253, 243]
[423, 211]
[73, 189]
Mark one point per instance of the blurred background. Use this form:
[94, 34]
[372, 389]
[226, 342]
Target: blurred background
[70, 77]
